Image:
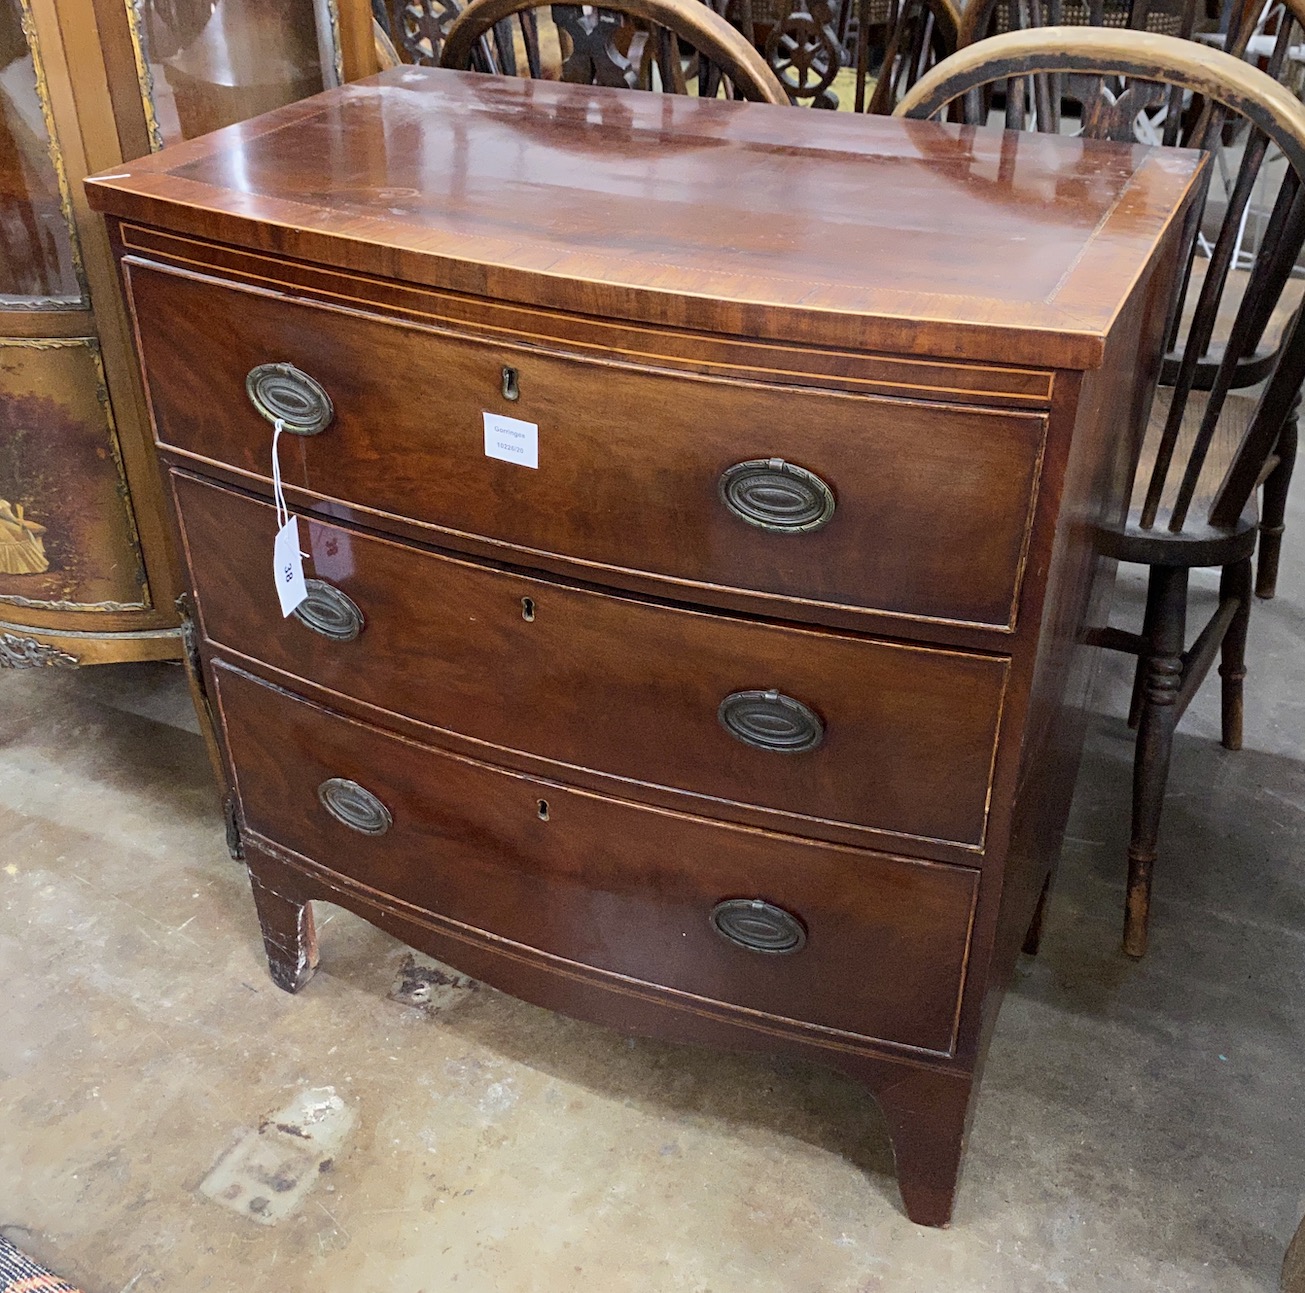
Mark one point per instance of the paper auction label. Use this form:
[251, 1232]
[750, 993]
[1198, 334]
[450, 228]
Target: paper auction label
[511, 440]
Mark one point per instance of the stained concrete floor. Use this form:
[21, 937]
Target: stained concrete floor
[1140, 1126]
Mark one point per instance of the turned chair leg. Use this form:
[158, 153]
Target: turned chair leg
[289, 935]
[1149, 622]
[1166, 630]
[1234, 582]
[1273, 513]
[1139, 685]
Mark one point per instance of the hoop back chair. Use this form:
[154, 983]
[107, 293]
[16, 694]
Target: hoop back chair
[620, 44]
[920, 35]
[1202, 457]
[414, 31]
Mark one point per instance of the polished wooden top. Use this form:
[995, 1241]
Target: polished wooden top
[734, 217]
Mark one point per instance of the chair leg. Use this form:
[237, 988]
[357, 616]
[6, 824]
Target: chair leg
[1139, 687]
[1234, 582]
[1149, 621]
[1273, 513]
[1166, 630]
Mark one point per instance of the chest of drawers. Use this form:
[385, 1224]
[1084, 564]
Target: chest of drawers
[744, 706]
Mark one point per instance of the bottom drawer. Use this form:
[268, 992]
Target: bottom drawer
[803, 930]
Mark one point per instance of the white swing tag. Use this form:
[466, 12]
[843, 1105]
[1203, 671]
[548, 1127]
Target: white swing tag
[287, 560]
[288, 564]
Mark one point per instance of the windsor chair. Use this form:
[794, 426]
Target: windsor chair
[1203, 455]
[630, 44]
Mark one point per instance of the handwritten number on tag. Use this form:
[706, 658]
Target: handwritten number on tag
[288, 566]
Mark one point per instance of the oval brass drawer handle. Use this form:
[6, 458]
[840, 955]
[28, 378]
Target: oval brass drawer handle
[776, 495]
[353, 806]
[328, 611]
[758, 926]
[769, 720]
[282, 391]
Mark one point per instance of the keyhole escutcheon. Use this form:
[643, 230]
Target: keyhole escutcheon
[528, 609]
[511, 385]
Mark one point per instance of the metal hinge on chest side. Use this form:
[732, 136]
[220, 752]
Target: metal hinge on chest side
[190, 645]
[194, 666]
[235, 846]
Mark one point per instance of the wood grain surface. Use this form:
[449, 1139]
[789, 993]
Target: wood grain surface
[624, 687]
[933, 502]
[609, 883]
[956, 330]
[950, 241]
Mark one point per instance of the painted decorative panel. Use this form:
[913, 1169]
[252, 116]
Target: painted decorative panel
[67, 534]
[38, 251]
[205, 64]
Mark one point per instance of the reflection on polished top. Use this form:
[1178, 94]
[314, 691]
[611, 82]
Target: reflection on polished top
[737, 217]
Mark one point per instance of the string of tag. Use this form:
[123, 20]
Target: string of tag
[283, 516]
[278, 493]
[287, 559]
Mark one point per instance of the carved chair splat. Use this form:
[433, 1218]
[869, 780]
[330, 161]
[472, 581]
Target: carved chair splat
[656, 30]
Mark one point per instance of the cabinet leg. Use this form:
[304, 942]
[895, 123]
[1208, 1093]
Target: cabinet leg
[928, 1116]
[289, 935]
[1033, 935]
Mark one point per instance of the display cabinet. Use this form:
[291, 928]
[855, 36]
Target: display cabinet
[86, 569]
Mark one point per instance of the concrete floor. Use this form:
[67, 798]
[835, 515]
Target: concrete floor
[1140, 1126]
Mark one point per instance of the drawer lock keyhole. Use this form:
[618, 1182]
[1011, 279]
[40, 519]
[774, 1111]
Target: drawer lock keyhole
[528, 609]
[543, 810]
[511, 386]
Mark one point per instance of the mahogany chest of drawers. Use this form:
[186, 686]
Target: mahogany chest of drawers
[697, 504]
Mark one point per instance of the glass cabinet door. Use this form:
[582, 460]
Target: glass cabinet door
[86, 572]
[204, 64]
[70, 557]
[38, 254]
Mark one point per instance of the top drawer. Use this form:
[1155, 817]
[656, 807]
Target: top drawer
[931, 504]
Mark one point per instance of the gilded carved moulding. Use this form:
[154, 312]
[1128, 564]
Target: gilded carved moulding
[27, 653]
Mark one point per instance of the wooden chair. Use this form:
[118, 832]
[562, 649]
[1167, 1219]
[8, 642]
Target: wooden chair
[415, 29]
[804, 48]
[1202, 458]
[385, 51]
[623, 44]
[919, 35]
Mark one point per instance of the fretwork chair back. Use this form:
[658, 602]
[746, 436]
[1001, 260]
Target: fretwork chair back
[1203, 456]
[414, 31]
[629, 44]
[919, 34]
[804, 43]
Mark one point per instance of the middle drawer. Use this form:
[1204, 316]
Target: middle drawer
[816, 725]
